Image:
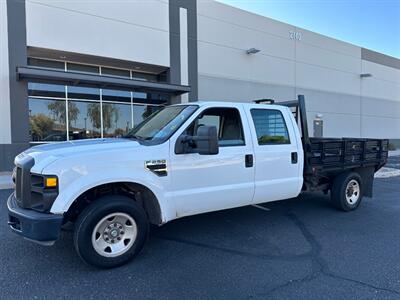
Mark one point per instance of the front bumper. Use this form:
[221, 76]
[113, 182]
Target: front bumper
[36, 226]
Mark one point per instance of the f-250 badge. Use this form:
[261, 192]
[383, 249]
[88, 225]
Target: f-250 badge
[158, 167]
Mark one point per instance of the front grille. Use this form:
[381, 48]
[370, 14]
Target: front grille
[30, 192]
[23, 180]
[18, 185]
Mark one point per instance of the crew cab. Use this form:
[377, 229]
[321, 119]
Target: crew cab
[183, 160]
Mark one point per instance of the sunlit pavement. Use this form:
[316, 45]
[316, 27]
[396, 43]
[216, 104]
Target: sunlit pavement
[301, 248]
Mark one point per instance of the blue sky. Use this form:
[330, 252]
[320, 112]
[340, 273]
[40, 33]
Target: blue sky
[372, 24]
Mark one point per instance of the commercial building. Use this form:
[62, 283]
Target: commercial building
[85, 69]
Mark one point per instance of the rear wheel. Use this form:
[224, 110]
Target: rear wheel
[346, 192]
[110, 232]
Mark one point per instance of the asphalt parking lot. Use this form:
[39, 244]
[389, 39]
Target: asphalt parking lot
[301, 248]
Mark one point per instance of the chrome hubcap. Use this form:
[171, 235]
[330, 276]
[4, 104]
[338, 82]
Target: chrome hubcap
[114, 234]
[352, 192]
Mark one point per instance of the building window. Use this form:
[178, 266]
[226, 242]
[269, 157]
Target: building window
[46, 90]
[270, 127]
[116, 119]
[44, 63]
[47, 120]
[78, 92]
[91, 113]
[82, 68]
[119, 96]
[60, 113]
[84, 120]
[115, 72]
[96, 69]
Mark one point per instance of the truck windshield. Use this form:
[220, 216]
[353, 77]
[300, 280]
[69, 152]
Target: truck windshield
[162, 124]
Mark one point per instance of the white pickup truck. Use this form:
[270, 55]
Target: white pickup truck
[183, 160]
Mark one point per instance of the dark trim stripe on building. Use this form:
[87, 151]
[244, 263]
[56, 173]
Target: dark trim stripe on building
[16, 27]
[174, 42]
[380, 58]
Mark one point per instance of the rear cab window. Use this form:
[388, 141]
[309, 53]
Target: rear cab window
[270, 126]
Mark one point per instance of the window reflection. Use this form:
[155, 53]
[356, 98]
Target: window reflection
[116, 119]
[115, 72]
[142, 112]
[82, 68]
[47, 120]
[113, 95]
[78, 92]
[44, 63]
[137, 95]
[121, 111]
[84, 120]
[46, 90]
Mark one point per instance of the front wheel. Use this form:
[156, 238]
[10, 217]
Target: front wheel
[346, 192]
[111, 231]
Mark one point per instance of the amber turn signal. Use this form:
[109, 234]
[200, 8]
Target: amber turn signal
[51, 182]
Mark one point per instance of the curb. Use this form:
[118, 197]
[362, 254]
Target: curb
[6, 181]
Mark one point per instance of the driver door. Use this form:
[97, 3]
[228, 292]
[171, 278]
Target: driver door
[202, 183]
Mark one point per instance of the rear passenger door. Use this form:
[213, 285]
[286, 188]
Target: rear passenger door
[278, 174]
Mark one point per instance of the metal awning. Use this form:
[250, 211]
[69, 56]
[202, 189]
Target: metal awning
[34, 74]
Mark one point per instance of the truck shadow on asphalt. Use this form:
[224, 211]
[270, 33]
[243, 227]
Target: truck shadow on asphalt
[247, 231]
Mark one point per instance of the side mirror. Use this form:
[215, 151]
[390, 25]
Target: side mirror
[207, 140]
[204, 143]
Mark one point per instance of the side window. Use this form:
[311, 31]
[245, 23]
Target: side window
[270, 127]
[228, 124]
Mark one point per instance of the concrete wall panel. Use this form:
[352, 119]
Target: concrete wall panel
[380, 127]
[313, 55]
[242, 38]
[131, 12]
[325, 102]
[236, 64]
[381, 72]
[380, 108]
[271, 70]
[231, 15]
[86, 28]
[323, 79]
[328, 43]
[223, 89]
[377, 88]
[222, 62]
[336, 125]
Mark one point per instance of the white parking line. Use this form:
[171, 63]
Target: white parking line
[261, 207]
[386, 172]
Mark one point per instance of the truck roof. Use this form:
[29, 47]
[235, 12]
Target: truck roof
[227, 104]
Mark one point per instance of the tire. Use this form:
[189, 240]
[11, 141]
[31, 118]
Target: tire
[347, 191]
[110, 232]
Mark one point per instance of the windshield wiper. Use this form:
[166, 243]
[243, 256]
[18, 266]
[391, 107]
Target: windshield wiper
[135, 137]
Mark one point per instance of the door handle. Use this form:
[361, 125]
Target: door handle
[248, 160]
[294, 157]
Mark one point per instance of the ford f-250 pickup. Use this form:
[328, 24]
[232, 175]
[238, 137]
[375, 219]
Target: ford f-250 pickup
[183, 160]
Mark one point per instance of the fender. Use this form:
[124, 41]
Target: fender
[71, 191]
